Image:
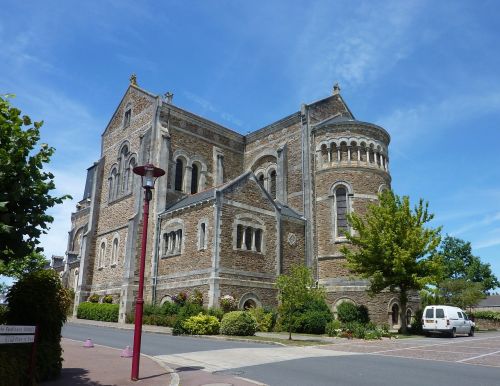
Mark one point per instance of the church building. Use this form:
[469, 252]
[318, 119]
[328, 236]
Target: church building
[232, 211]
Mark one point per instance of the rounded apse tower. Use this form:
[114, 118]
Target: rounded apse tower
[351, 167]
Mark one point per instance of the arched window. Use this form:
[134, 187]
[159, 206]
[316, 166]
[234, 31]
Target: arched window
[179, 170]
[112, 184]
[395, 314]
[341, 201]
[260, 178]
[272, 183]
[114, 251]
[102, 255]
[194, 179]
[128, 177]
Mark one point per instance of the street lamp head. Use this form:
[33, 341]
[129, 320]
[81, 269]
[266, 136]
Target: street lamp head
[149, 173]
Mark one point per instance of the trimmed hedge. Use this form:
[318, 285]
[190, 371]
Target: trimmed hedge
[238, 323]
[349, 312]
[202, 325]
[490, 315]
[38, 299]
[98, 311]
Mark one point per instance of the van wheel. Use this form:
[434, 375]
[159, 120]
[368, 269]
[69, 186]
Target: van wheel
[471, 332]
[453, 333]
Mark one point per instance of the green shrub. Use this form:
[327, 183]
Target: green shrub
[189, 309]
[333, 328]
[151, 309]
[201, 325]
[93, 298]
[158, 320]
[196, 297]
[98, 311]
[169, 308]
[180, 298]
[178, 327]
[348, 312]
[228, 303]
[416, 323]
[108, 299]
[217, 312]
[264, 319]
[313, 321]
[40, 299]
[186, 311]
[238, 323]
[3, 314]
[490, 315]
[14, 360]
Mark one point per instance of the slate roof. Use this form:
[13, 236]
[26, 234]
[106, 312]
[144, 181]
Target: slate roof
[289, 212]
[490, 301]
[344, 120]
[193, 199]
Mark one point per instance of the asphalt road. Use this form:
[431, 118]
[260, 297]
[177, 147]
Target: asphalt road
[152, 344]
[361, 370]
[342, 370]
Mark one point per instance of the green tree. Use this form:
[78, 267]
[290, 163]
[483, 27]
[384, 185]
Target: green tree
[392, 247]
[295, 292]
[460, 292]
[460, 263]
[25, 194]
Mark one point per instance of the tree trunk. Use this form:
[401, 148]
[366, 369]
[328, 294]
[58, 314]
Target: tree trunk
[403, 301]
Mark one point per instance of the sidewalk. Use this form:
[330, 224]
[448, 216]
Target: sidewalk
[103, 366]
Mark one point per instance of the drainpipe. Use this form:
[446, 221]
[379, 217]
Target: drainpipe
[156, 258]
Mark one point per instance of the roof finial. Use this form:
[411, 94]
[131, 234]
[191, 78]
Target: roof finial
[133, 79]
[168, 97]
[336, 89]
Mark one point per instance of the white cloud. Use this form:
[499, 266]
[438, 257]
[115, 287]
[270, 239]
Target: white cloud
[356, 49]
[69, 181]
[207, 106]
[426, 119]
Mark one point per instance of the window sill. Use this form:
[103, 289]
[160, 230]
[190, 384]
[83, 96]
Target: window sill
[341, 241]
[171, 255]
[248, 250]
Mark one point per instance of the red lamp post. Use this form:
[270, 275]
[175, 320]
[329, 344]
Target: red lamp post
[149, 173]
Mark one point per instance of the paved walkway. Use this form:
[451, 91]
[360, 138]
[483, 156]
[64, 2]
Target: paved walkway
[103, 366]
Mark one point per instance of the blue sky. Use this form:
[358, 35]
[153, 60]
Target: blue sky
[427, 71]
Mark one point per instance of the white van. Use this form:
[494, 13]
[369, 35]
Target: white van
[446, 320]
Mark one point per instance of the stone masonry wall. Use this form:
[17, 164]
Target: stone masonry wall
[190, 258]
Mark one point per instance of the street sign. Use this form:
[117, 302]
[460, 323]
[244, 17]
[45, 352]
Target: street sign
[13, 339]
[17, 329]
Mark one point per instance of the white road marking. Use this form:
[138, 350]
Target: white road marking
[218, 360]
[479, 356]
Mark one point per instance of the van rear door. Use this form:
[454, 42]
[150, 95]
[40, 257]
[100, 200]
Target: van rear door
[440, 319]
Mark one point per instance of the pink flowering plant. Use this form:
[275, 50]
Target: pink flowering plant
[227, 303]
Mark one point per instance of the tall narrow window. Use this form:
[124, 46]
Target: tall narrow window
[272, 184]
[202, 235]
[194, 179]
[248, 239]
[258, 240]
[261, 180]
[239, 236]
[102, 255]
[341, 211]
[114, 252]
[126, 119]
[178, 245]
[179, 170]
[165, 243]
